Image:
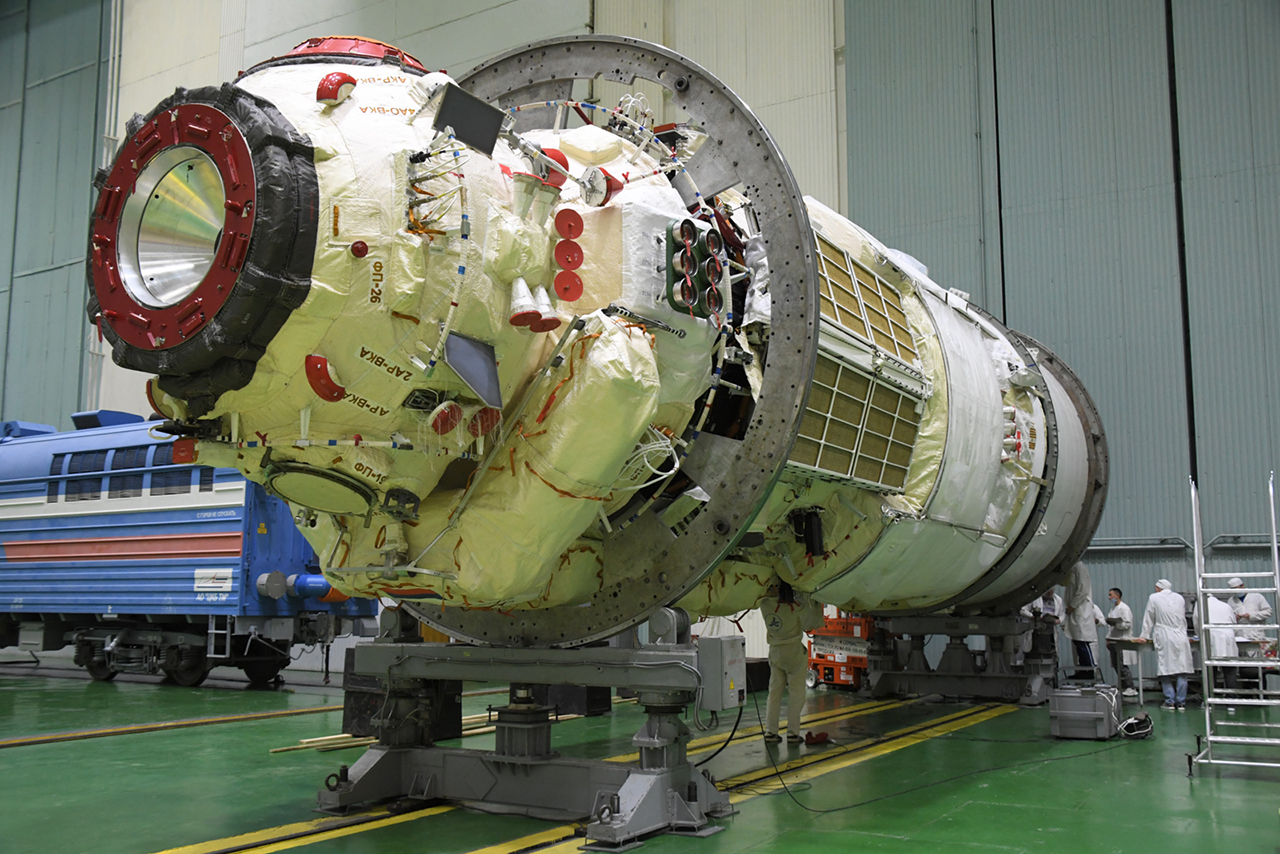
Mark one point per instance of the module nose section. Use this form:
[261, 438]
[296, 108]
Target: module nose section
[202, 239]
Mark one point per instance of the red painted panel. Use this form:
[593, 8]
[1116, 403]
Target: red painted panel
[139, 548]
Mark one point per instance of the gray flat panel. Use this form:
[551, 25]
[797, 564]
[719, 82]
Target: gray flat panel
[63, 35]
[13, 56]
[914, 166]
[1228, 68]
[58, 134]
[58, 161]
[1089, 232]
[13, 47]
[46, 338]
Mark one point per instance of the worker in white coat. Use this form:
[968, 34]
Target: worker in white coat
[1222, 642]
[1120, 627]
[1080, 625]
[1251, 608]
[787, 616]
[1050, 609]
[1164, 624]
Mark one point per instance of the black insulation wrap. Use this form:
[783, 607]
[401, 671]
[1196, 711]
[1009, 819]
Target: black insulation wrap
[276, 275]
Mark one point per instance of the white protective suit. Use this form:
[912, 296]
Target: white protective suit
[1165, 624]
[1222, 642]
[1052, 606]
[1079, 623]
[1259, 611]
[785, 625]
[1121, 622]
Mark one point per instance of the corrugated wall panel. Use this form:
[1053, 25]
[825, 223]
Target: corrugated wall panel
[642, 19]
[1089, 232]
[46, 322]
[452, 36]
[13, 59]
[1228, 77]
[914, 167]
[780, 59]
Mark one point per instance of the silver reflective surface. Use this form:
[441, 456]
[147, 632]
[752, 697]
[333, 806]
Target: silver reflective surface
[170, 227]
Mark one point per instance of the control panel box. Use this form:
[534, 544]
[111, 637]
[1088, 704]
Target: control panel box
[723, 665]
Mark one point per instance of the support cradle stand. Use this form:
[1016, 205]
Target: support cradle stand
[621, 802]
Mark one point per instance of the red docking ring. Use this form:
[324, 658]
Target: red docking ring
[177, 147]
[209, 211]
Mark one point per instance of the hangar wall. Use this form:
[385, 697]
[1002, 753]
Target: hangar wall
[1026, 153]
[54, 57]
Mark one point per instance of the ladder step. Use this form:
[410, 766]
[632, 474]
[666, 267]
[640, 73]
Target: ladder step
[1250, 663]
[1237, 590]
[1240, 701]
[1241, 739]
[1271, 626]
[1230, 575]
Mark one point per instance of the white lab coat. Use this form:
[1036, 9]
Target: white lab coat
[1054, 607]
[1079, 623]
[1258, 610]
[1123, 630]
[1222, 642]
[1165, 624]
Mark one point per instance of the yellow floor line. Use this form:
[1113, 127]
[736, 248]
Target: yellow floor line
[308, 828]
[702, 745]
[564, 832]
[796, 771]
[773, 783]
[945, 724]
[53, 738]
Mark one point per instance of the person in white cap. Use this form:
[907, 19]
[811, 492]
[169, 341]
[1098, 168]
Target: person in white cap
[1121, 622]
[1253, 608]
[1165, 625]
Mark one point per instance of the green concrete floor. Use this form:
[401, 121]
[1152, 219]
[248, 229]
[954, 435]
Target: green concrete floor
[151, 792]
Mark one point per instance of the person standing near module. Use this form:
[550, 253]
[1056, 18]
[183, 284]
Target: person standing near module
[1120, 621]
[1164, 624]
[1252, 608]
[787, 616]
[1080, 625]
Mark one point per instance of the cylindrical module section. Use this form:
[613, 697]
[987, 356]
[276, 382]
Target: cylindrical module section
[535, 367]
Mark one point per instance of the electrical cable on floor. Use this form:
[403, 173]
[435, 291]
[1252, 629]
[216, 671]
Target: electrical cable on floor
[726, 741]
[781, 779]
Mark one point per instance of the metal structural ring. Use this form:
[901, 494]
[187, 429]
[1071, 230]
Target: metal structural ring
[647, 564]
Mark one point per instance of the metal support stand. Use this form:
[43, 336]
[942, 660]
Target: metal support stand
[957, 673]
[523, 775]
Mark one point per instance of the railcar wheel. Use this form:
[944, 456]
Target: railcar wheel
[262, 671]
[100, 672]
[192, 670]
[188, 678]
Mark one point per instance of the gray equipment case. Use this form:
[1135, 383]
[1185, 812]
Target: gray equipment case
[1077, 711]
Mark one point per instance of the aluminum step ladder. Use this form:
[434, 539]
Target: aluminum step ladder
[1256, 731]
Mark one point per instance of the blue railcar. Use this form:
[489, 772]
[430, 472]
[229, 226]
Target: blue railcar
[148, 564]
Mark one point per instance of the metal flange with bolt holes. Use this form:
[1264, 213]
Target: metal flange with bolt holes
[648, 565]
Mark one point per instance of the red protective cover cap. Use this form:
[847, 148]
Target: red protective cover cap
[354, 46]
[446, 417]
[554, 178]
[322, 383]
[568, 255]
[568, 285]
[483, 422]
[569, 223]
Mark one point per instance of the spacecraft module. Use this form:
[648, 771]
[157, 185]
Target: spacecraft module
[533, 381]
